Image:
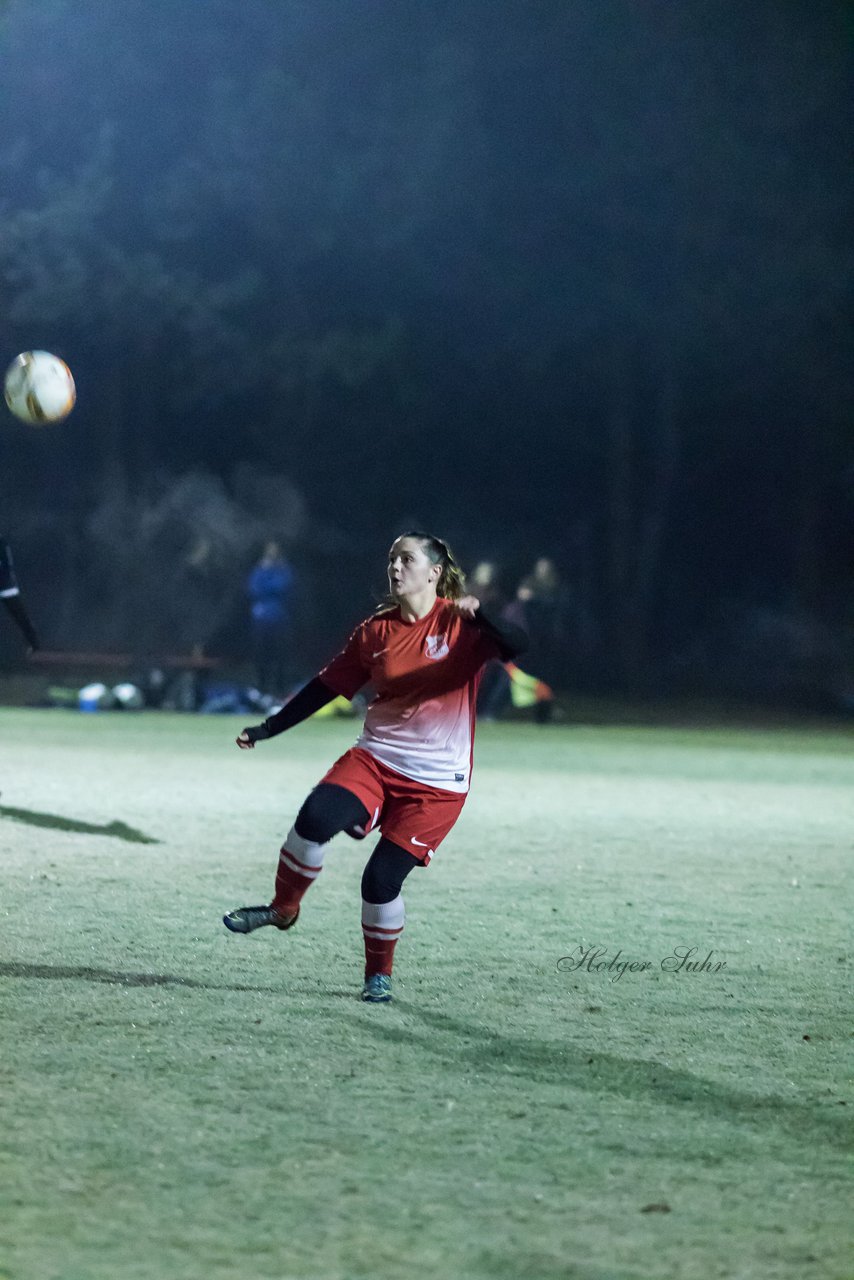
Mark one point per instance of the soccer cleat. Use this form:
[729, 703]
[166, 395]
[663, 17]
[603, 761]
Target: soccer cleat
[246, 919]
[377, 988]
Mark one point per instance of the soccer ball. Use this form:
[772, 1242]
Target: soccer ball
[39, 387]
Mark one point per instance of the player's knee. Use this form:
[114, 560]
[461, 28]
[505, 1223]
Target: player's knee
[328, 810]
[378, 886]
[386, 870]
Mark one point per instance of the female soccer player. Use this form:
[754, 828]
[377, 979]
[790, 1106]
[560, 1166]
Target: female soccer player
[408, 774]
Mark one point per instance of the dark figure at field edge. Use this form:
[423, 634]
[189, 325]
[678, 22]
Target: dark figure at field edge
[10, 594]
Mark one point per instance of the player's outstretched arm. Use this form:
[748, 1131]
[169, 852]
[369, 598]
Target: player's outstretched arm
[310, 698]
[512, 641]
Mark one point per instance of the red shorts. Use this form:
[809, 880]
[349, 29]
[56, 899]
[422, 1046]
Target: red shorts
[411, 815]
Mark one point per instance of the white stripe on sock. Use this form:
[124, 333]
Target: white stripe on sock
[387, 916]
[309, 873]
[391, 935]
[303, 856]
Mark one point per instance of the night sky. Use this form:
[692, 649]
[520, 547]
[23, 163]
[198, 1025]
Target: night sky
[551, 278]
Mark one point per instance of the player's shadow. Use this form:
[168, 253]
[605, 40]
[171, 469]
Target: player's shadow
[56, 822]
[116, 978]
[572, 1064]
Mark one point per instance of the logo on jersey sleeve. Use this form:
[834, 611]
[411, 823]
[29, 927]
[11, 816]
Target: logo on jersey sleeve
[436, 647]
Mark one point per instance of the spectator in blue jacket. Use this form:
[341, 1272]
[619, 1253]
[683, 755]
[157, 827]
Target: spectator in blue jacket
[269, 587]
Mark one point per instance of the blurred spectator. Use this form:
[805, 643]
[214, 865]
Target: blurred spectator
[540, 608]
[269, 587]
[542, 600]
[483, 582]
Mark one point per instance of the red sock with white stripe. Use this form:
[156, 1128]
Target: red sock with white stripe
[300, 863]
[382, 925]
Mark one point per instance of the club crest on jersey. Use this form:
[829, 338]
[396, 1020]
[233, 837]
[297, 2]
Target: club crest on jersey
[436, 647]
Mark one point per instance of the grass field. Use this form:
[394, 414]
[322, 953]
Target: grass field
[181, 1104]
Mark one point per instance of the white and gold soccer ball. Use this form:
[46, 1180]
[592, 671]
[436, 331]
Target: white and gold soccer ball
[39, 388]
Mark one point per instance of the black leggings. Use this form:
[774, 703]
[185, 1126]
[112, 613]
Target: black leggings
[331, 809]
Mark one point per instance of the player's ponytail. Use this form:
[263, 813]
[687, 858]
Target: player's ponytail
[452, 581]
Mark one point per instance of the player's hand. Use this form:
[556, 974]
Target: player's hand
[250, 735]
[467, 606]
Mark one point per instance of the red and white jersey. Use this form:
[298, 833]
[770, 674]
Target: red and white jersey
[426, 674]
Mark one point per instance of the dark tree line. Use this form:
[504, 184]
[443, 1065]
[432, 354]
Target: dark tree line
[560, 279]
